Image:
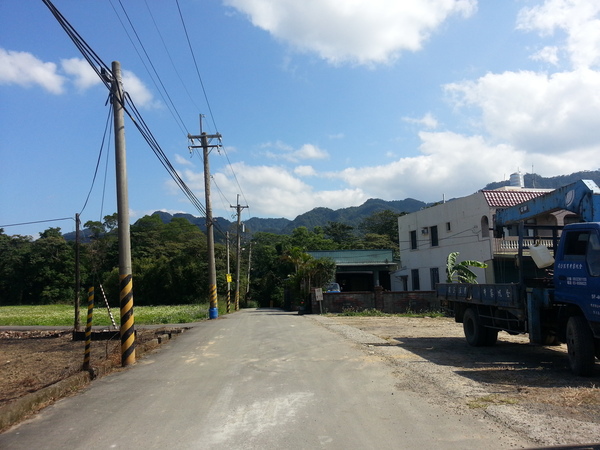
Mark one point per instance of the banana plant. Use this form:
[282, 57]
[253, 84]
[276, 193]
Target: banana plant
[460, 272]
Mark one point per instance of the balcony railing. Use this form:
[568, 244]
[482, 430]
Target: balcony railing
[510, 245]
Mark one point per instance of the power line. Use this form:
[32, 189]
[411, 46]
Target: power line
[212, 117]
[106, 127]
[170, 57]
[35, 221]
[172, 109]
[107, 77]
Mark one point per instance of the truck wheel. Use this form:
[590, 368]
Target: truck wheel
[475, 333]
[550, 339]
[491, 336]
[580, 346]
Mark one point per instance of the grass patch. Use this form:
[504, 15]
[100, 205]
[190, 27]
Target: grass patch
[493, 399]
[64, 315]
[377, 313]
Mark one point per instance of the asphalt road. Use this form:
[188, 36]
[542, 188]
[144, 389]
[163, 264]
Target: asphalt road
[256, 379]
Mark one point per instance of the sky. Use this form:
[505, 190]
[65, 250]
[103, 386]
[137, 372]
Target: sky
[320, 103]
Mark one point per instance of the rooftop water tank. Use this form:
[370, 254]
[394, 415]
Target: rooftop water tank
[517, 180]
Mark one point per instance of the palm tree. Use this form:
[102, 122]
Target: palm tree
[459, 272]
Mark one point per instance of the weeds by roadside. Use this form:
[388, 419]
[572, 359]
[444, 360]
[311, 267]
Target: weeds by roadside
[377, 313]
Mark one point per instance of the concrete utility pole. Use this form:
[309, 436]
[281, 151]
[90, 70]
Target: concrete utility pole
[213, 311]
[125, 278]
[238, 209]
[228, 275]
[249, 265]
[77, 273]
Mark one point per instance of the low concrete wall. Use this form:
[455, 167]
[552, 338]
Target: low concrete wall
[385, 301]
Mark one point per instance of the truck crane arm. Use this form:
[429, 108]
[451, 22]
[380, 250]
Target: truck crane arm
[581, 197]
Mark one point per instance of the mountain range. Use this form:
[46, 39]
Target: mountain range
[353, 215]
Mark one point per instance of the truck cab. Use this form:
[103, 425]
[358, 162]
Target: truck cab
[577, 270]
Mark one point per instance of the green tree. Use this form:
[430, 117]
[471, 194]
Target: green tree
[311, 240]
[14, 256]
[459, 272]
[269, 271]
[342, 234]
[51, 269]
[380, 230]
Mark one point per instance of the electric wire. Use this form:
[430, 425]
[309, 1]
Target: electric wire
[107, 77]
[172, 108]
[35, 221]
[106, 127]
[91, 57]
[127, 103]
[170, 57]
[162, 84]
[105, 174]
[196, 66]
[236, 179]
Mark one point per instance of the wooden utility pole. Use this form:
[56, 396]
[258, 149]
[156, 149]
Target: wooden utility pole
[238, 209]
[125, 272]
[213, 311]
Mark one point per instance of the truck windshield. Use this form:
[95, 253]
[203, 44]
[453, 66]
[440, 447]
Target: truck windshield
[593, 255]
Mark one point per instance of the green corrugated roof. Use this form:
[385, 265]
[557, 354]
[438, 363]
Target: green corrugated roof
[356, 257]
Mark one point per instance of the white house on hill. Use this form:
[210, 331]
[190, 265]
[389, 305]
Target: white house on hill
[463, 225]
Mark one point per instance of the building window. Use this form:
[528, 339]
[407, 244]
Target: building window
[434, 236]
[413, 240]
[416, 286]
[448, 227]
[434, 274]
[485, 227]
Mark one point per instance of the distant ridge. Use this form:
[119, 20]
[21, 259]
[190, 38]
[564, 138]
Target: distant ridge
[354, 215]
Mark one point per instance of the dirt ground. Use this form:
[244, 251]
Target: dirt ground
[32, 360]
[527, 387]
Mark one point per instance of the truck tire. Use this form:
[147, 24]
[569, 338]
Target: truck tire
[475, 333]
[491, 336]
[580, 346]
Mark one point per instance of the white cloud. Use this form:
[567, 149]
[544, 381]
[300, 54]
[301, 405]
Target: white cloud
[448, 163]
[305, 171]
[358, 31]
[273, 191]
[288, 153]
[138, 91]
[428, 121]
[24, 69]
[547, 54]
[183, 161]
[579, 19]
[537, 112]
[83, 74]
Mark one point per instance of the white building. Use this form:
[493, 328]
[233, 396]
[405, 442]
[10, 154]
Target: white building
[464, 225]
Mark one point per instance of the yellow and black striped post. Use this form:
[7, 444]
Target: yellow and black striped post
[127, 321]
[213, 311]
[88, 329]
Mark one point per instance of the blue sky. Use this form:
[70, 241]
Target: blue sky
[319, 102]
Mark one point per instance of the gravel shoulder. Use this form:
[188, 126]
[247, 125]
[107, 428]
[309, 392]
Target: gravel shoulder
[527, 388]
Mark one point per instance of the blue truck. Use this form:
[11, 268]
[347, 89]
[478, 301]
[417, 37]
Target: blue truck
[561, 307]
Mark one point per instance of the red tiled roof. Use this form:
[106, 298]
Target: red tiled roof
[503, 199]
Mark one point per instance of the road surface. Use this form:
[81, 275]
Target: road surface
[256, 379]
